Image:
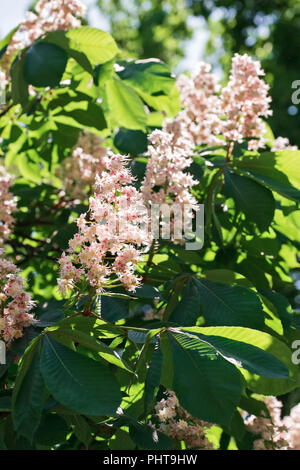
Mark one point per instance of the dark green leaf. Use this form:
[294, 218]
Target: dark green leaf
[77, 382]
[206, 385]
[253, 199]
[230, 305]
[44, 64]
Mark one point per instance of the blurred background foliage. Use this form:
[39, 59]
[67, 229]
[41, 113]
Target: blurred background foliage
[267, 30]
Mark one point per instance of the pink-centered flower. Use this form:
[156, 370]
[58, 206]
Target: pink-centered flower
[77, 172]
[111, 235]
[15, 303]
[8, 204]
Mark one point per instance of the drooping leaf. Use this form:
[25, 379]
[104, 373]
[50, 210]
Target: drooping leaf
[262, 340]
[122, 106]
[230, 305]
[19, 87]
[28, 397]
[253, 199]
[206, 385]
[246, 356]
[189, 307]
[150, 75]
[278, 171]
[148, 439]
[77, 382]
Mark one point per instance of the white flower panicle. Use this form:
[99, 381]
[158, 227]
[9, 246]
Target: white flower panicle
[169, 158]
[15, 303]
[275, 432]
[177, 423]
[89, 157]
[282, 143]
[108, 245]
[8, 204]
[234, 114]
[245, 101]
[202, 105]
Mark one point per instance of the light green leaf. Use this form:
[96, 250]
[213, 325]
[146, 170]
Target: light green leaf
[279, 171]
[122, 106]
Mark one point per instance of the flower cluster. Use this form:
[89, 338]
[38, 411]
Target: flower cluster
[78, 171]
[166, 182]
[177, 423]
[50, 15]
[236, 113]
[201, 116]
[8, 205]
[292, 423]
[110, 236]
[244, 101]
[275, 432]
[15, 303]
[3, 81]
[169, 157]
[282, 143]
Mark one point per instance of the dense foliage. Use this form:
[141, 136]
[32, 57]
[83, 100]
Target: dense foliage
[266, 30]
[145, 344]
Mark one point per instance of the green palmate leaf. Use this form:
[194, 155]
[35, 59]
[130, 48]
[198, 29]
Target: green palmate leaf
[29, 394]
[255, 269]
[129, 141]
[153, 375]
[97, 45]
[168, 105]
[146, 291]
[19, 87]
[288, 224]
[5, 403]
[77, 382]
[150, 75]
[44, 64]
[24, 366]
[245, 355]
[253, 406]
[82, 115]
[264, 385]
[278, 171]
[91, 325]
[237, 426]
[121, 441]
[147, 439]
[82, 429]
[49, 312]
[256, 201]
[281, 306]
[29, 165]
[70, 336]
[207, 385]
[52, 430]
[138, 337]
[88, 46]
[189, 307]
[122, 106]
[113, 309]
[230, 305]
[226, 276]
